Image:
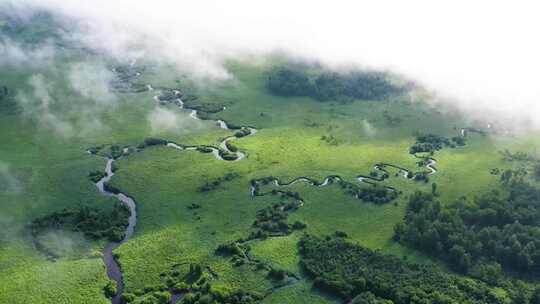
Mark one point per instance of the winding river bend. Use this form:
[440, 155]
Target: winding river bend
[113, 269]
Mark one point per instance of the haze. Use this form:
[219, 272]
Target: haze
[482, 55]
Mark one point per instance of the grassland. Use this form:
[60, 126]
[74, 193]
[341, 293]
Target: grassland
[51, 172]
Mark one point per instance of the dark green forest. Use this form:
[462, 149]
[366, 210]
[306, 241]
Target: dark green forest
[482, 237]
[361, 275]
[94, 223]
[326, 85]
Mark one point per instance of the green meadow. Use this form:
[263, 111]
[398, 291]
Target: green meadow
[44, 168]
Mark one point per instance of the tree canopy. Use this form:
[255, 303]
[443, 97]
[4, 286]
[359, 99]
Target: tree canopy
[496, 229]
[326, 85]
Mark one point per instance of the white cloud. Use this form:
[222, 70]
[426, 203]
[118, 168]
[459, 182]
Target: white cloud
[368, 129]
[8, 182]
[164, 120]
[38, 106]
[12, 54]
[91, 80]
[481, 53]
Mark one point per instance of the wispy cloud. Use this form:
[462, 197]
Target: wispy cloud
[164, 120]
[481, 55]
[9, 184]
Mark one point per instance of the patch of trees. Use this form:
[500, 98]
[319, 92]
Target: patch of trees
[95, 150]
[231, 147]
[203, 108]
[113, 151]
[110, 289]
[205, 149]
[330, 139]
[194, 206]
[392, 120]
[242, 132]
[197, 287]
[518, 156]
[273, 219]
[421, 177]
[226, 155]
[213, 184]
[238, 251]
[496, 229]
[513, 176]
[8, 104]
[169, 95]
[125, 79]
[153, 141]
[111, 188]
[373, 193]
[326, 85]
[256, 184]
[231, 249]
[431, 143]
[96, 176]
[377, 194]
[222, 295]
[356, 273]
[93, 223]
[289, 82]
[4, 92]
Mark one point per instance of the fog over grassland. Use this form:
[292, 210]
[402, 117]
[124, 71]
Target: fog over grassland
[478, 55]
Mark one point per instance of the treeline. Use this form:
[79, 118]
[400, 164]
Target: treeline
[431, 143]
[93, 223]
[360, 275]
[327, 85]
[481, 237]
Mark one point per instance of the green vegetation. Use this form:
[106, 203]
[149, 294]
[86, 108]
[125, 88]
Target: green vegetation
[496, 229]
[431, 143]
[8, 104]
[93, 223]
[201, 230]
[96, 176]
[215, 183]
[358, 274]
[325, 85]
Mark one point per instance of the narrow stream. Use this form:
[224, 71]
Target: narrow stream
[113, 269]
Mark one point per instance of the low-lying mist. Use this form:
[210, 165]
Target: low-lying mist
[480, 56]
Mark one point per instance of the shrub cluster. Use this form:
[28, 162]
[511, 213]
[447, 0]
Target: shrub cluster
[153, 141]
[125, 79]
[94, 223]
[96, 176]
[213, 184]
[373, 193]
[273, 219]
[8, 104]
[431, 143]
[196, 286]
